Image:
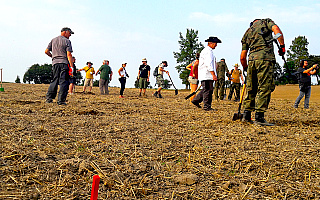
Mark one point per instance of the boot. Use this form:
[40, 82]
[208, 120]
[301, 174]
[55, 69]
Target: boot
[247, 117]
[261, 120]
[160, 96]
[155, 94]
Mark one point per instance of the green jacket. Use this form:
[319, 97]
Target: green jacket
[221, 70]
[254, 41]
[105, 71]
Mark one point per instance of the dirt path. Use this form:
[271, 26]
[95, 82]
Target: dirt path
[147, 148]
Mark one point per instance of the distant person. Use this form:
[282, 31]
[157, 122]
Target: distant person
[235, 74]
[88, 82]
[222, 69]
[60, 50]
[123, 75]
[207, 74]
[305, 82]
[159, 78]
[260, 81]
[105, 77]
[193, 76]
[143, 76]
[73, 74]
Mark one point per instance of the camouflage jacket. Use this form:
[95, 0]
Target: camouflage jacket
[255, 39]
[222, 69]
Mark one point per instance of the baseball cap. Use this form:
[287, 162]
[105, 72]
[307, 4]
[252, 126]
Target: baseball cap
[67, 29]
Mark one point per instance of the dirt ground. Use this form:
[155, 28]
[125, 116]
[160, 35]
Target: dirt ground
[148, 148]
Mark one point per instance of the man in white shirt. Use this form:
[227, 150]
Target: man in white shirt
[207, 74]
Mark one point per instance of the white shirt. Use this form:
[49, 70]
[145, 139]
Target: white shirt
[207, 64]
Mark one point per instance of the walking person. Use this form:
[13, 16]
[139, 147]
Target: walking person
[123, 75]
[105, 72]
[73, 74]
[88, 82]
[305, 82]
[207, 74]
[143, 76]
[260, 68]
[235, 74]
[222, 69]
[193, 76]
[60, 50]
[159, 78]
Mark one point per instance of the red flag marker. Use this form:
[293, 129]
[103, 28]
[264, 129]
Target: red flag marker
[95, 187]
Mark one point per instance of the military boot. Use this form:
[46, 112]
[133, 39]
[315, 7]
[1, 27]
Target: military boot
[247, 117]
[260, 120]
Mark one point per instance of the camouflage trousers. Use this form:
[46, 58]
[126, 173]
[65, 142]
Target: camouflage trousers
[219, 85]
[236, 87]
[260, 84]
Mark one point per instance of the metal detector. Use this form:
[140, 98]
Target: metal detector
[176, 90]
[193, 93]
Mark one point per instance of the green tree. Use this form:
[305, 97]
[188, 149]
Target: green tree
[278, 73]
[189, 46]
[288, 77]
[298, 50]
[17, 80]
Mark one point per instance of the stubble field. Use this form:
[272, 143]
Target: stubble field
[148, 148]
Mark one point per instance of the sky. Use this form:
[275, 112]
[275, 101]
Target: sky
[129, 30]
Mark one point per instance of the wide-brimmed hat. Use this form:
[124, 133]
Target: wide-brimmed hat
[236, 65]
[213, 39]
[90, 63]
[144, 60]
[67, 29]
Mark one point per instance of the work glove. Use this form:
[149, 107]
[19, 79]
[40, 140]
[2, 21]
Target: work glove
[282, 50]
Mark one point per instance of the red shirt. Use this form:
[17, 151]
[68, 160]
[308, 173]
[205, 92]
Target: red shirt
[196, 62]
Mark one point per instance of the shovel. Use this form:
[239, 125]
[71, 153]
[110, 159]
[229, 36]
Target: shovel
[239, 115]
[176, 90]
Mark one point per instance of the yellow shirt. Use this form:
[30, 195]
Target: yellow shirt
[236, 75]
[89, 72]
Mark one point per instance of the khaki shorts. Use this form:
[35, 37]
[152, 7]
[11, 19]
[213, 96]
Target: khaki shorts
[160, 81]
[88, 82]
[193, 81]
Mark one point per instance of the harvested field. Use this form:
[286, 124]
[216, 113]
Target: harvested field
[147, 148]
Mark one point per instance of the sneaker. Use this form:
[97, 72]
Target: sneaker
[121, 96]
[49, 101]
[208, 109]
[62, 103]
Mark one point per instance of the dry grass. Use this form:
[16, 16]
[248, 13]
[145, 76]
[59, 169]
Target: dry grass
[139, 146]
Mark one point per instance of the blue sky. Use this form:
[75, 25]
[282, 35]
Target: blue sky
[133, 29]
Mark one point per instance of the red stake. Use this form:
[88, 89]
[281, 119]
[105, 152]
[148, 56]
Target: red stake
[95, 187]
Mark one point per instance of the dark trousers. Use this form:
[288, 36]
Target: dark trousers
[123, 84]
[60, 76]
[205, 94]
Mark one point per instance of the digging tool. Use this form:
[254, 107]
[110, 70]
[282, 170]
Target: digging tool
[176, 90]
[1, 88]
[239, 115]
[193, 93]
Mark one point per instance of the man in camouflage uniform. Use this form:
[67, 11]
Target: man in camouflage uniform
[222, 69]
[260, 68]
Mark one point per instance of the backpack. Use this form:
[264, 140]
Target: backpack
[155, 71]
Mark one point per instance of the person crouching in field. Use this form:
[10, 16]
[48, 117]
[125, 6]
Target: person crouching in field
[105, 77]
[123, 75]
[89, 76]
[305, 83]
[193, 76]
